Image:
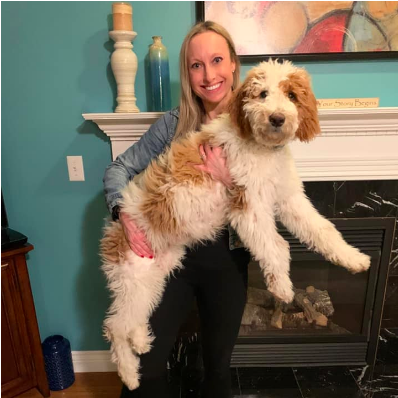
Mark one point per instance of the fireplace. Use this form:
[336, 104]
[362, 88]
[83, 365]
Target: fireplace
[349, 171]
[335, 317]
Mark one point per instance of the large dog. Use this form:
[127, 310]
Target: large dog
[177, 205]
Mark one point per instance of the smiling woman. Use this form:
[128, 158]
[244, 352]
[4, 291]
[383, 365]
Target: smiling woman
[212, 274]
[211, 71]
[192, 111]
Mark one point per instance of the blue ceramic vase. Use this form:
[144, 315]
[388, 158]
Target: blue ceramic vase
[160, 76]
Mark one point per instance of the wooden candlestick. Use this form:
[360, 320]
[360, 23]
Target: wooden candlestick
[124, 66]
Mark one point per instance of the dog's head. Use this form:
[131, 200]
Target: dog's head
[275, 104]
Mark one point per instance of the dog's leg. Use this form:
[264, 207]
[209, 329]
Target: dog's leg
[136, 285]
[301, 219]
[259, 234]
[140, 335]
[127, 362]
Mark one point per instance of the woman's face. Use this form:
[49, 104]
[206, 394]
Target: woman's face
[210, 68]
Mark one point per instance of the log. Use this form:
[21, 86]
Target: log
[254, 315]
[295, 320]
[263, 311]
[309, 311]
[276, 319]
[261, 297]
[321, 301]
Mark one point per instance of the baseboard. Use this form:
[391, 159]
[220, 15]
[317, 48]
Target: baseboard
[92, 361]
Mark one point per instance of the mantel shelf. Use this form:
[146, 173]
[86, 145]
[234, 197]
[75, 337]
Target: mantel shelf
[355, 144]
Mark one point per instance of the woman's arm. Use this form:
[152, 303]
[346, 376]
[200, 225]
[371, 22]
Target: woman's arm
[131, 163]
[136, 158]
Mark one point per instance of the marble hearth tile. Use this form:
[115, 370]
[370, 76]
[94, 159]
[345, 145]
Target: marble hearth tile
[191, 383]
[394, 253]
[327, 382]
[390, 311]
[387, 354]
[384, 383]
[366, 198]
[268, 382]
[321, 195]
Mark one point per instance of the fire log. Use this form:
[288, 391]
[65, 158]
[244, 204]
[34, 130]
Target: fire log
[309, 311]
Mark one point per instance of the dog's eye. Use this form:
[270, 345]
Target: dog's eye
[292, 96]
[263, 94]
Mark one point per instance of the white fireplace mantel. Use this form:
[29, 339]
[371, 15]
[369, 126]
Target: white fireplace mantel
[355, 144]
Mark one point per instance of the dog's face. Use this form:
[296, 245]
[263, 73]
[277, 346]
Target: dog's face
[275, 104]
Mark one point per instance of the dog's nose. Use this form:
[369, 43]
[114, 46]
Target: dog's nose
[277, 119]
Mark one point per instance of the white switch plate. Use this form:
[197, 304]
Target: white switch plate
[75, 168]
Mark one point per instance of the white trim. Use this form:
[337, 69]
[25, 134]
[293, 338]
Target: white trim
[92, 361]
[364, 121]
[355, 144]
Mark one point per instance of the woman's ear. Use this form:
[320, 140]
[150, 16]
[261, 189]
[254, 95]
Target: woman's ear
[233, 66]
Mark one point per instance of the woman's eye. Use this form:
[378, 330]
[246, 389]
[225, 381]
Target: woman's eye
[263, 94]
[195, 65]
[292, 96]
[217, 60]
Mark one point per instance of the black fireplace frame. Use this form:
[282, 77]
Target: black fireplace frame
[376, 239]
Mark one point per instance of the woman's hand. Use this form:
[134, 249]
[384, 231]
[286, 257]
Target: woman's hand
[214, 163]
[135, 237]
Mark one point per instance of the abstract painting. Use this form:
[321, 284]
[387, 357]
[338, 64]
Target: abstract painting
[307, 30]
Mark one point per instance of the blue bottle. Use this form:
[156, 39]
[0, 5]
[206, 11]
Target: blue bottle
[160, 76]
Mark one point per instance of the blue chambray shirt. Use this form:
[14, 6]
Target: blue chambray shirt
[137, 158]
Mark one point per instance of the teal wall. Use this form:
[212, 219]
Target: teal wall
[55, 66]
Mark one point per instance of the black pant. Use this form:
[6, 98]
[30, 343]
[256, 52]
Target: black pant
[217, 277]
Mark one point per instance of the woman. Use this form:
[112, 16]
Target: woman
[214, 274]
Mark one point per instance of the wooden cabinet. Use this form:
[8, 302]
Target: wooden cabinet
[22, 363]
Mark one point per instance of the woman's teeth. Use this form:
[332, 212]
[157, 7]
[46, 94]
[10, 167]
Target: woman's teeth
[210, 88]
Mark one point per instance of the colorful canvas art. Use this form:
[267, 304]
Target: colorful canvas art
[269, 28]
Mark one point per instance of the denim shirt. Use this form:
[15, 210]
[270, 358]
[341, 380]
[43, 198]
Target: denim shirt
[137, 158]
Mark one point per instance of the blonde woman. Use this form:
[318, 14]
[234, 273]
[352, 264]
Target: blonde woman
[213, 273]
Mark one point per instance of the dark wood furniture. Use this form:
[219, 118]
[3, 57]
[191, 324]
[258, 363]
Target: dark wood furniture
[22, 363]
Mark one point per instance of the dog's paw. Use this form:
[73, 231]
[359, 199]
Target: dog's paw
[280, 287]
[128, 369]
[285, 295]
[141, 340]
[356, 262]
[132, 382]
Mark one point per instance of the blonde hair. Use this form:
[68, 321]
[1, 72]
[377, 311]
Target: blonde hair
[191, 107]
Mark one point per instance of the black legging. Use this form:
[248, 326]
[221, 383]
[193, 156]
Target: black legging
[217, 277]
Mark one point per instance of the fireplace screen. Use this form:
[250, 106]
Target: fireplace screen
[328, 301]
[335, 316]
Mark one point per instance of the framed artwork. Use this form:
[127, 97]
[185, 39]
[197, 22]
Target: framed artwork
[307, 30]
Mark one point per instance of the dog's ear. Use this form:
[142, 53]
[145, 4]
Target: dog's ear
[306, 106]
[236, 111]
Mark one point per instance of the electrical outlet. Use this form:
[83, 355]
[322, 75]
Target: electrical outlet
[75, 168]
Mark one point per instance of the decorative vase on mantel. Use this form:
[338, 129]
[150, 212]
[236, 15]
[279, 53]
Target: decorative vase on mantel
[160, 100]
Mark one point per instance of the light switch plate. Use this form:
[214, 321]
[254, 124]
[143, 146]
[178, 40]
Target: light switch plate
[75, 168]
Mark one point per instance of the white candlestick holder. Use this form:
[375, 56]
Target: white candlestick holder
[124, 66]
